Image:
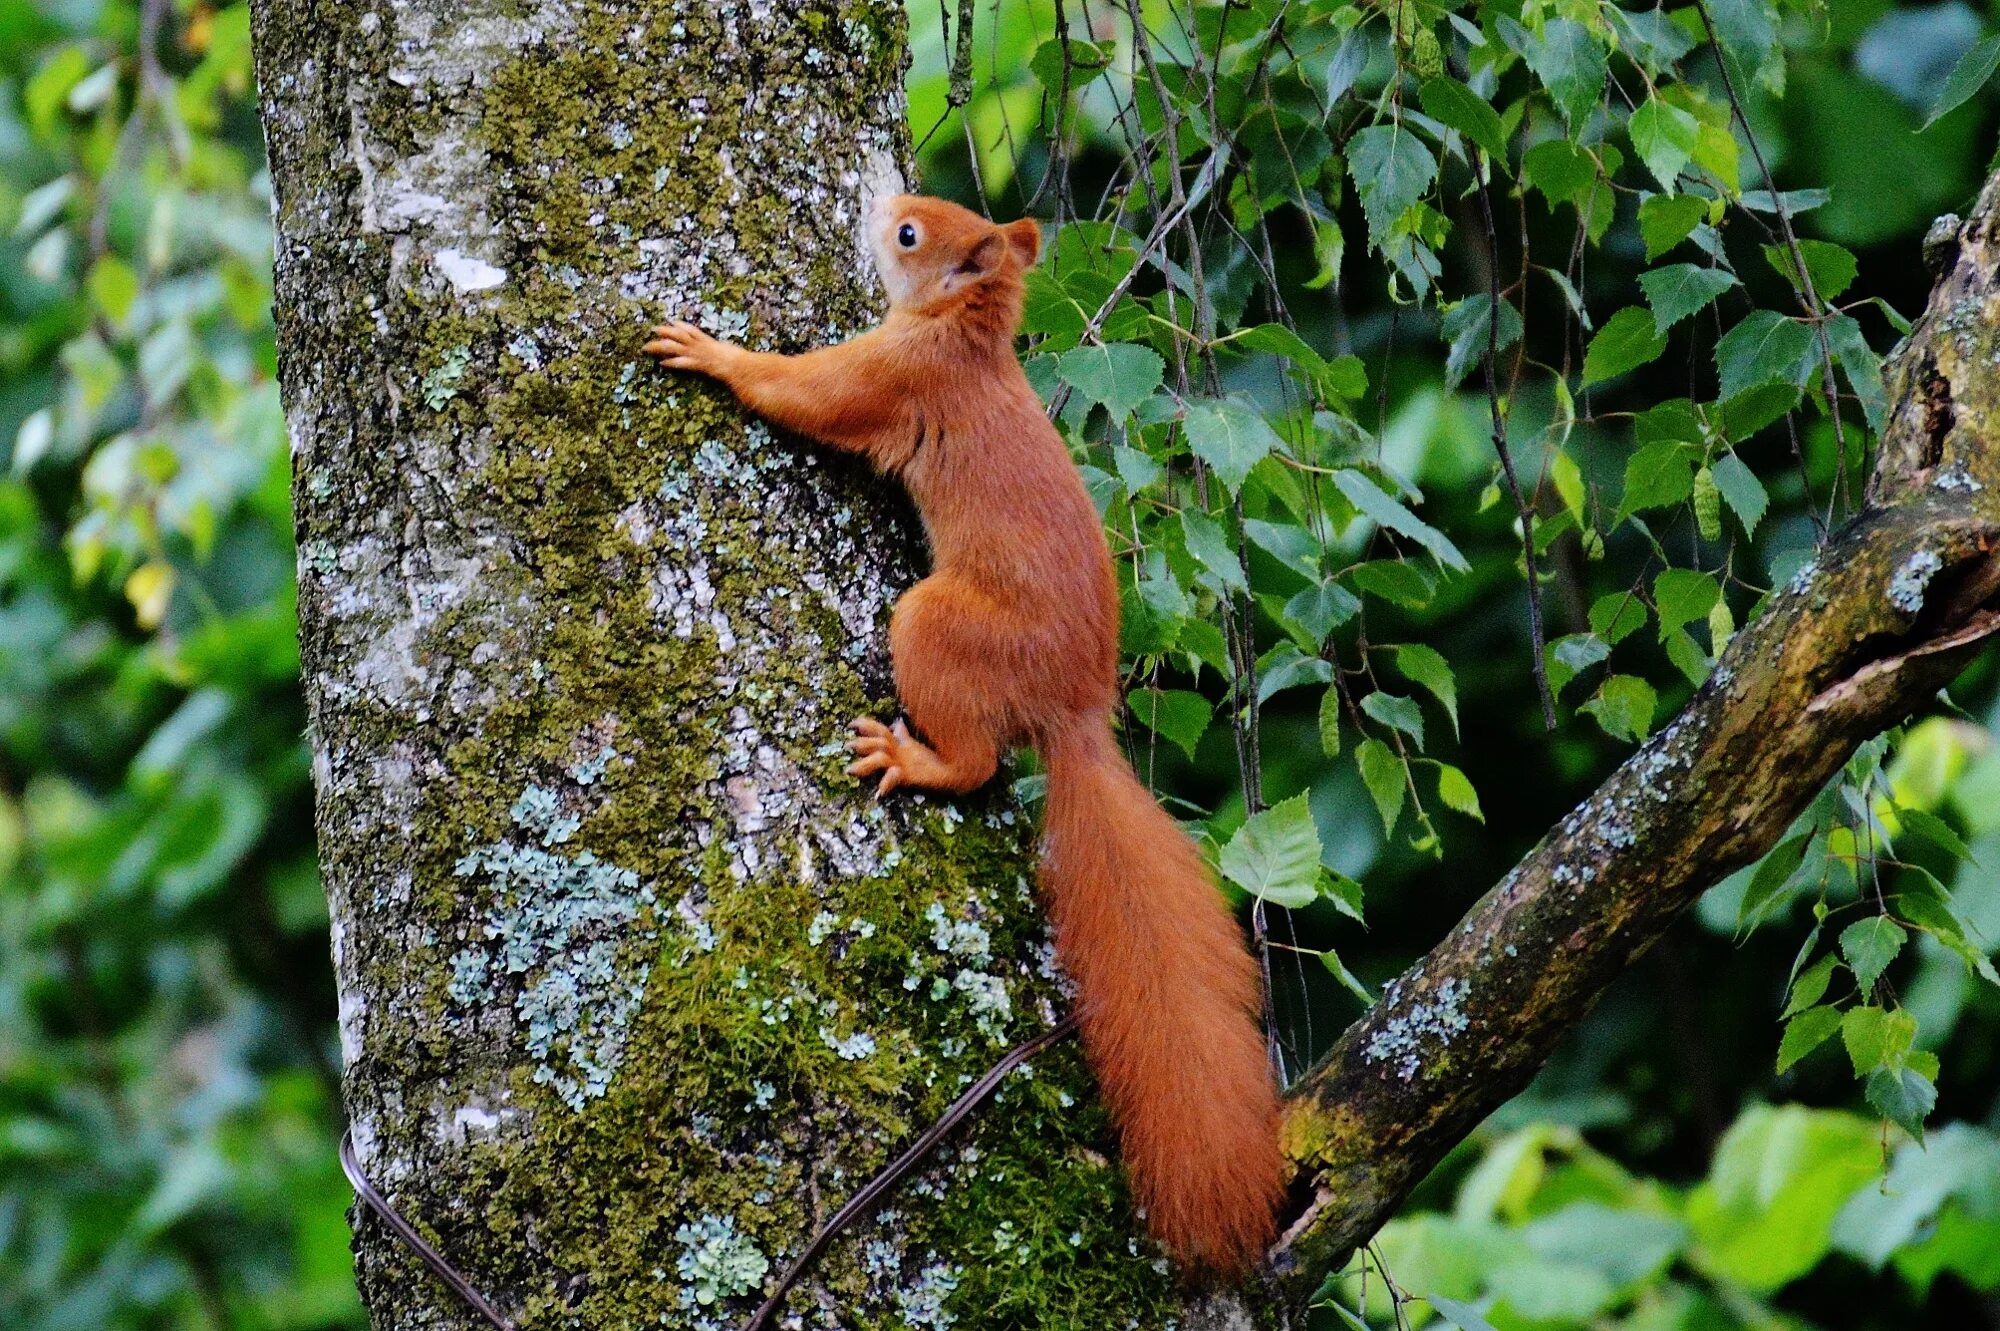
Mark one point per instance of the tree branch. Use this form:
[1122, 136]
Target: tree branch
[1892, 609]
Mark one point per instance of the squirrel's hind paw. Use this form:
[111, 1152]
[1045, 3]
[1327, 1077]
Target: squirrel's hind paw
[878, 749]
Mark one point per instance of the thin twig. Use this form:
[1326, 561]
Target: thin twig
[372, 1198]
[871, 1191]
[1807, 293]
[1527, 515]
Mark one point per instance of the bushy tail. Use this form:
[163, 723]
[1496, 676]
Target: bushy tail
[1168, 998]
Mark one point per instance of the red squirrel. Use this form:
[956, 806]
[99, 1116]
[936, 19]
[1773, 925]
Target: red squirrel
[1013, 639]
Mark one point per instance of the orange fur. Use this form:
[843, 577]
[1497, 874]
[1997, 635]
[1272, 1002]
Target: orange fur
[1013, 639]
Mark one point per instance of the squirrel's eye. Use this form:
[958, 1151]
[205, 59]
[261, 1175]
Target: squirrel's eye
[907, 236]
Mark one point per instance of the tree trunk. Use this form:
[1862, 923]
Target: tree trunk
[636, 986]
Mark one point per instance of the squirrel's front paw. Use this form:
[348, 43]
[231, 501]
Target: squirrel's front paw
[682, 346]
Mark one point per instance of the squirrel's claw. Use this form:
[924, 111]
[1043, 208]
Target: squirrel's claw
[680, 346]
[877, 748]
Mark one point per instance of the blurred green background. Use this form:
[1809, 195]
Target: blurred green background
[168, 1063]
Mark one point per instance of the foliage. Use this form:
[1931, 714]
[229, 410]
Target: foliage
[168, 1083]
[1313, 261]
[1659, 309]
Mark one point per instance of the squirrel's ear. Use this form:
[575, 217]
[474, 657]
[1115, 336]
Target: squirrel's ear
[980, 260]
[1026, 238]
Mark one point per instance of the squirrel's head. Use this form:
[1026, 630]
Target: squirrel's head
[934, 254]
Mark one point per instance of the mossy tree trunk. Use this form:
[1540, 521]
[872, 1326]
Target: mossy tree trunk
[636, 986]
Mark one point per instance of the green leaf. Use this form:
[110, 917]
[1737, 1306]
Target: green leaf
[1395, 581]
[1347, 980]
[1329, 723]
[1811, 985]
[1624, 706]
[1660, 475]
[1176, 715]
[1275, 855]
[1392, 170]
[1320, 609]
[1806, 1032]
[1389, 512]
[1681, 289]
[1628, 339]
[1341, 377]
[1862, 366]
[1904, 1096]
[1087, 61]
[113, 288]
[1927, 906]
[1571, 298]
[1288, 543]
[1211, 547]
[44, 92]
[1202, 643]
[1741, 490]
[1342, 893]
[1286, 667]
[1118, 376]
[1467, 327]
[1967, 77]
[1774, 871]
[1382, 773]
[1667, 220]
[1683, 596]
[1570, 64]
[1396, 712]
[1563, 172]
[1571, 655]
[1329, 248]
[1455, 789]
[1745, 29]
[1936, 831]
[1869, 946]
[1877, 1037]
[1766, 348]
[1649, 37]
[1462, 1316]
[1425, 667]
[1616, 616]
[1139, 470]
[1467, 112]
[1831, 267]
[1765, 1214]
[1152, 611]
[1664, 137]
[1231, 437]
[1687, 656]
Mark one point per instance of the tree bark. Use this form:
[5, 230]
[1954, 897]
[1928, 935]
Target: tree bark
[636, 986]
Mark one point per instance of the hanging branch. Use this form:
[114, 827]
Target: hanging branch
[1536, 635]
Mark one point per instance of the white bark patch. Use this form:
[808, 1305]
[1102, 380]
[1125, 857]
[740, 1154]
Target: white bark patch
[468, 272]
[351, 994]
[878, 177]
